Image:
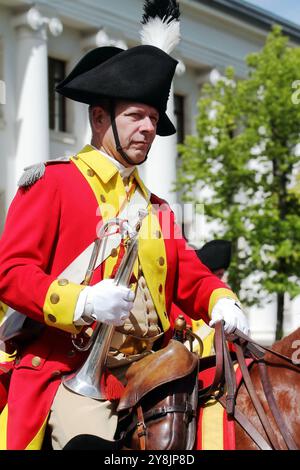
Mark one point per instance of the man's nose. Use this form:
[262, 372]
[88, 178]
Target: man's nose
[147, 125]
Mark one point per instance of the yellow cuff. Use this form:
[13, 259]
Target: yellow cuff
[60, 304]
[219, 294]
[3, 310]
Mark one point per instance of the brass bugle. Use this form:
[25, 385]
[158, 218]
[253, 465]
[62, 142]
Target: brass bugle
[87, 380]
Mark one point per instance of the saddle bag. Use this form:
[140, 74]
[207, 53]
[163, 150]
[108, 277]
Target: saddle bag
[158, 408]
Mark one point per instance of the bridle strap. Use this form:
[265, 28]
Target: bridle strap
[254, 398]
[265, 380]
[257, 349]
[223, 380]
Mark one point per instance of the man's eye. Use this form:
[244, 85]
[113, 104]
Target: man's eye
[134, 115]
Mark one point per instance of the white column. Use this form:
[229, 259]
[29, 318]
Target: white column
[32, 126]
[160, 170]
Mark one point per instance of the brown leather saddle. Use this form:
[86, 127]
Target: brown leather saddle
[158, 408]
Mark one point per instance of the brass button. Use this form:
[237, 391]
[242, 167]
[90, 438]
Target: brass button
[103, 198]
[75, 157]
[158, 234]
[114, 252]
[160, 288]
[54, 298]
[90, 172]
[63, 282]
[161, 261]
[36, 361]
[52, 318]
[145, 296]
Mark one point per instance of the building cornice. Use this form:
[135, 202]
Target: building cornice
[253, 15]
[88, 16]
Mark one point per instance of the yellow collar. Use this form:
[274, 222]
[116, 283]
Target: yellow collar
[104, 168]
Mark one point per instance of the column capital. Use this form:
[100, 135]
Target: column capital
[180, 68]
[99, 39]
[35, 19]
[211, 76]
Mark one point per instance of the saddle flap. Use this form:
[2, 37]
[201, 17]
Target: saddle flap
[171, 363]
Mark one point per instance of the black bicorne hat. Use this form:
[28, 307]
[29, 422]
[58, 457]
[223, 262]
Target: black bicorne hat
[215, 254]
[142, 74]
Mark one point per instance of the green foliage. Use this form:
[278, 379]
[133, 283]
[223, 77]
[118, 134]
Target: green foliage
[244, 152]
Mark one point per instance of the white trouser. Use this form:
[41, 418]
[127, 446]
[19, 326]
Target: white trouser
[73, 414]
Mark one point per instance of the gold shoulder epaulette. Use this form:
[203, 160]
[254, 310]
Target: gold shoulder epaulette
[34, 172]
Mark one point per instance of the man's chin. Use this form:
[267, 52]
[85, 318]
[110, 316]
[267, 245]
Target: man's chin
[137, 157]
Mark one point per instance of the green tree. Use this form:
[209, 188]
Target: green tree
[246, 153]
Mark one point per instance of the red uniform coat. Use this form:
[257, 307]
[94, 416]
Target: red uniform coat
[48, 225]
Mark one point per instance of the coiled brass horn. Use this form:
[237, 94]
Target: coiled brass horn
[87, 380]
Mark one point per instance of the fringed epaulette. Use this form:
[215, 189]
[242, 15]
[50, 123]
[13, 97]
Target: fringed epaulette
[35, 172]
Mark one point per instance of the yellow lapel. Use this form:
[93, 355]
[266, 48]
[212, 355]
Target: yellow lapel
[105, 180]
[106, 183]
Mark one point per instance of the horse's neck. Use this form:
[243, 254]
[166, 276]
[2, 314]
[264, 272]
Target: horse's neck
[285, 346]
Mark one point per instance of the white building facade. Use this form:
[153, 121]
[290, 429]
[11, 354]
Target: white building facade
[41, 42]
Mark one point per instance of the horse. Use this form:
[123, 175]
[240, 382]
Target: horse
[268, 417]
[264, 405]
[284, 380]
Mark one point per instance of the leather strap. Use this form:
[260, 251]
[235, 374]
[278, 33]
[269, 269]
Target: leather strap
[255, 400]
[224, 380]
[141, 427]
[217, 386]
[248, 427]
[230, 379]
[258, 348]
[285, 433]
[163, 410]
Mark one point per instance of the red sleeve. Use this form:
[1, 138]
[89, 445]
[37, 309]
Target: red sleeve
[195, 284]
[27, 245]
[191, 285]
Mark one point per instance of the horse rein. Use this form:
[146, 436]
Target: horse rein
[225, 380]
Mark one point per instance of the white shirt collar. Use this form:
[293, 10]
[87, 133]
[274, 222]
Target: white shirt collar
[124, 171]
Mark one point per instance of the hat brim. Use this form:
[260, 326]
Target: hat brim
[165, 126]
[146, 73]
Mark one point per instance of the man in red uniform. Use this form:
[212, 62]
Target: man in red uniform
[48, 237]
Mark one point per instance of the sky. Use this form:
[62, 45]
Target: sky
[288, 9]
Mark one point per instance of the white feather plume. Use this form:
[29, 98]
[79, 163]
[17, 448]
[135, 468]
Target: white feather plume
[162, 34]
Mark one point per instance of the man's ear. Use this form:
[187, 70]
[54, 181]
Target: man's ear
[98, 115]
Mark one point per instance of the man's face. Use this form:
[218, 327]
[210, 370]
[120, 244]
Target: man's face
[136, 124]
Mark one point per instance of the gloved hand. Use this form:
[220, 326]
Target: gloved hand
[230, 311]
[104, 302]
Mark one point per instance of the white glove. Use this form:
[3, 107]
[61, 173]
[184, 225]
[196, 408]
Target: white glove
[104, 302]
[230, 311]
